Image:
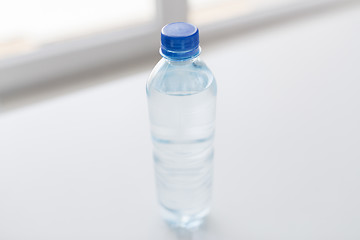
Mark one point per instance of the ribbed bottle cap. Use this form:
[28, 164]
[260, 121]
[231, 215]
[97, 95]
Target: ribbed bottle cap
[179, 41]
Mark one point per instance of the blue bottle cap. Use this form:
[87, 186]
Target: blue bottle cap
[179, 41]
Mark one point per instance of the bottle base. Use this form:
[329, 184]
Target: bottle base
[178, 219]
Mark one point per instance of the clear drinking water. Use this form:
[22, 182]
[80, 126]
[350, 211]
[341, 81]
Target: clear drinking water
[181, 99]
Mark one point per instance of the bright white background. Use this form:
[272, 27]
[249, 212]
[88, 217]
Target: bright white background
[287, 145]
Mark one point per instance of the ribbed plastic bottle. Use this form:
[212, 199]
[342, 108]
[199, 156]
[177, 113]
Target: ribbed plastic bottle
[181, 93]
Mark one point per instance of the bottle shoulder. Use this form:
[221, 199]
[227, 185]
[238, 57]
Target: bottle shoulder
[180, 77]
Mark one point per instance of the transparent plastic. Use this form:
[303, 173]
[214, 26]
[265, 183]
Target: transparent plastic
[181, 99]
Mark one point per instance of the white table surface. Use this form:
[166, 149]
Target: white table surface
[287, 163]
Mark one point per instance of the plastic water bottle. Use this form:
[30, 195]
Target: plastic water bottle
[181, 93]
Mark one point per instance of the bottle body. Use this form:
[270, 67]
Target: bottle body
[182, 101]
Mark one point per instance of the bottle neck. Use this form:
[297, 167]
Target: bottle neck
[183, 61]
[180, 56]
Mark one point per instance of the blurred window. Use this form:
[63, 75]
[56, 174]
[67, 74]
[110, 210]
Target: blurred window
[26, 25]
[209, 11]
[44, 39]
